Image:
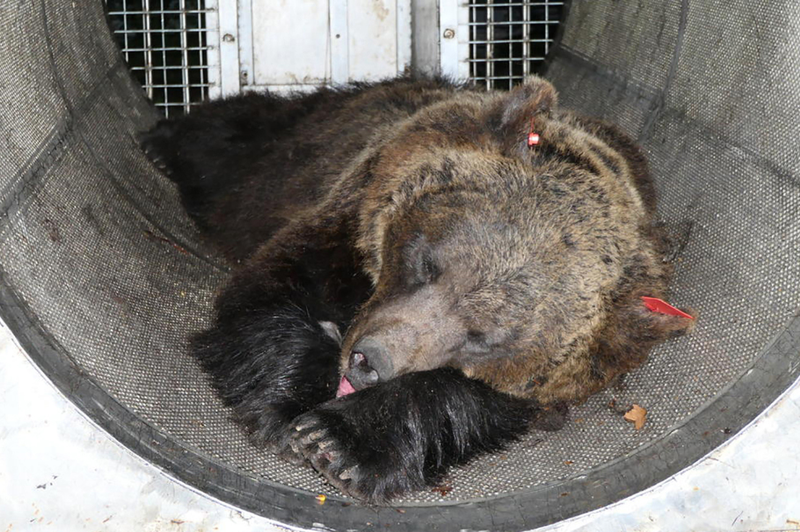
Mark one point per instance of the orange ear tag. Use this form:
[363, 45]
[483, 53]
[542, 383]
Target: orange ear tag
[662, 307]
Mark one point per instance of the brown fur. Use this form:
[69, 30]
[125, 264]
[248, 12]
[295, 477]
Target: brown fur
[475, 278]
[579, 204]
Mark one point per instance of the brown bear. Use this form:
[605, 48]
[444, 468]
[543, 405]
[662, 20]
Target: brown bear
[424, 271]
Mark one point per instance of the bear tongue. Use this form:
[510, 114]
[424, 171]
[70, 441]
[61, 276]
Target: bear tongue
[345, 388]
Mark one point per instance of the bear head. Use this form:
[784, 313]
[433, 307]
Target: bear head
[491, 255]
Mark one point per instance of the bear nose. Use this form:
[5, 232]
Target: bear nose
[361, 375]
[368, 364]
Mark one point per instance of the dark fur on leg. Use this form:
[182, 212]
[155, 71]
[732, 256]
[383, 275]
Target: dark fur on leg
[273, 352]
[271, 366]
[404, 434]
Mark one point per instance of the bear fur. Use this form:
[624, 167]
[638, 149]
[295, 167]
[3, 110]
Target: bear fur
[402, 239]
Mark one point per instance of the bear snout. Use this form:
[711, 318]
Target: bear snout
[369, 363]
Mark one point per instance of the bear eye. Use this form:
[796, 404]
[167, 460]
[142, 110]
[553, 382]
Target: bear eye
[424, 269]
[476, 338]
[428, 270]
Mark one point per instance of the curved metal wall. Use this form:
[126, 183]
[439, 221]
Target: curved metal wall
[102, 277]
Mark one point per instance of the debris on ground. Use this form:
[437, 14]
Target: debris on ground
[636, 415]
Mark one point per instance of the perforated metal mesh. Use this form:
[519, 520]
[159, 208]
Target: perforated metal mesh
[166, 44]
[99, 257]
[509, 39]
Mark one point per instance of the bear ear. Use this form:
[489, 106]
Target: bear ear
[535, 96]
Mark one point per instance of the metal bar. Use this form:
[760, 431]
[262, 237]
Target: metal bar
[490, 44]
[526, 36]
[493, 78]
[148, 54]
[184, 57]
[156, 11]
[125, 29]
[503, 41]
[164, 59]
[187, 30]
[508, 23]
[202, 39]
[175, 86]
[546, 27]
[175, 67]
[165, 32]
[515, 4]
[519, 40]
[473, 34]
[167, 49]
[499, 59]
[510, 66]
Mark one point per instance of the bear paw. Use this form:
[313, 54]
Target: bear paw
[322, 438]
[314, 441]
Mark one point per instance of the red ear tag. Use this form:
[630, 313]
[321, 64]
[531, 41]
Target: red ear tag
[533, 138]
[662, 307]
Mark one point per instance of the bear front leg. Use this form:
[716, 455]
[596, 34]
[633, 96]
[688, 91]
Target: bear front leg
[270, 366]
[403, 435]
[273, 350]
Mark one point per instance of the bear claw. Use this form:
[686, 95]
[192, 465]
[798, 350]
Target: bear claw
[323, 452]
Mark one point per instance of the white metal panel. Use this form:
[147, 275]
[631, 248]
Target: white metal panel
[448, 33]
[373, 39]
[339, 42]
[212, 57]
[404, 34]
[229, 47]
[425, 32]
[290, 40]
[245, 42]
[297, 44]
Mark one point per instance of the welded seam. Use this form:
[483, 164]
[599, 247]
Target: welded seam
[51, 150]
[640, 91]
[661, 100]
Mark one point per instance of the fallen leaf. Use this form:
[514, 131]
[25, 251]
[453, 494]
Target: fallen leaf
[636, 415]
[442, 489]
[321, 498]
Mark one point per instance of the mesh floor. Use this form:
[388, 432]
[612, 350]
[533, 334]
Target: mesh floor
[98, 253]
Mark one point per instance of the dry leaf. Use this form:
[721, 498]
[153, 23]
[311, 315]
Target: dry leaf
[636, 415]
[442, 489]
[321, 499]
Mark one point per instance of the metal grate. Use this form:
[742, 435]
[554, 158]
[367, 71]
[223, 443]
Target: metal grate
[508, 40]
[166, 44]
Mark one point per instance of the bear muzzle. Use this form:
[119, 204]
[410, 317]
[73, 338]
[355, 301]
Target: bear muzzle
[369, 363]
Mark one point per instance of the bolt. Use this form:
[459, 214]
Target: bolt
[449, 33]
[228, 38]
